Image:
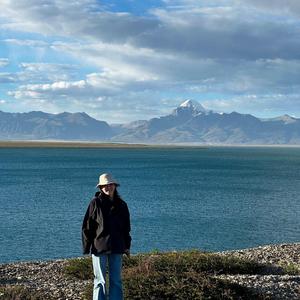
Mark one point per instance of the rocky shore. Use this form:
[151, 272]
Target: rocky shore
[48, 277]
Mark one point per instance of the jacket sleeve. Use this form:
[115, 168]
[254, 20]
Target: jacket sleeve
[127, 229]
[88, 228]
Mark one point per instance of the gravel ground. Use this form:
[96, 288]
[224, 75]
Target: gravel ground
[44, 276]
[279, 287]
[47, 277]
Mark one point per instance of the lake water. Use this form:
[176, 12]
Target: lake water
[181, 198]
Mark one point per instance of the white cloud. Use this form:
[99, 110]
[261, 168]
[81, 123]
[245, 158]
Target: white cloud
[123, 61]
[270, 105]
[27, 43]
[45, 72]
[60, 88]
[79, 19]
[7, 78]
[3, 62]
[39, 72]
[199, 77]
[278, 7]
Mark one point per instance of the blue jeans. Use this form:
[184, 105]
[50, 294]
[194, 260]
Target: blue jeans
[115, 281]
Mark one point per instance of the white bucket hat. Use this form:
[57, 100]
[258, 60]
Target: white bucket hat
[105, 179]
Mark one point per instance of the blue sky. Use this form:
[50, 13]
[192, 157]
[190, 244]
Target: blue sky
[121, 61]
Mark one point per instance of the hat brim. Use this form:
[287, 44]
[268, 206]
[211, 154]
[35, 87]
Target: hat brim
[99, 185]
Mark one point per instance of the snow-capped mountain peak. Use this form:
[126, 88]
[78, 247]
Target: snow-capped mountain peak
[191, 107]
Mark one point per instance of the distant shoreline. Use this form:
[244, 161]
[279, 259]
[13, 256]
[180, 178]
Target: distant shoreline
[90, 144]
[66, 144]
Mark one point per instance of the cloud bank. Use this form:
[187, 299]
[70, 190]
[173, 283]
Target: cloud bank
[117, 66]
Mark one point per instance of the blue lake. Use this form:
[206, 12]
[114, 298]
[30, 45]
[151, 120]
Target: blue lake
[214, 198]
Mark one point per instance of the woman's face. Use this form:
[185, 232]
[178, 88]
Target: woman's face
[109, 189]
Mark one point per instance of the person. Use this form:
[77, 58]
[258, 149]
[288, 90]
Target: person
[106, 235]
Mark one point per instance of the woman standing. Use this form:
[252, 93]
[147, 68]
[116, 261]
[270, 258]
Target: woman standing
[105, 234]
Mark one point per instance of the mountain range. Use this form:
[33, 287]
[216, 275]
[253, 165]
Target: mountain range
[37, 125]
[189, 123]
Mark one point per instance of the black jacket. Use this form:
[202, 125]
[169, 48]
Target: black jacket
[106, 226]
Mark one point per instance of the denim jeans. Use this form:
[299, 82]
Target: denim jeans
[115, 281]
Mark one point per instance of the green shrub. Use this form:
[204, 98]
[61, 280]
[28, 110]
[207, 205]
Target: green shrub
[291, 269]
[133, 261]
[79, 268]
[170, 286]
[181, 262]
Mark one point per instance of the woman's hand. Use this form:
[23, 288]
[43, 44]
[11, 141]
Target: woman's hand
[127, 252]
